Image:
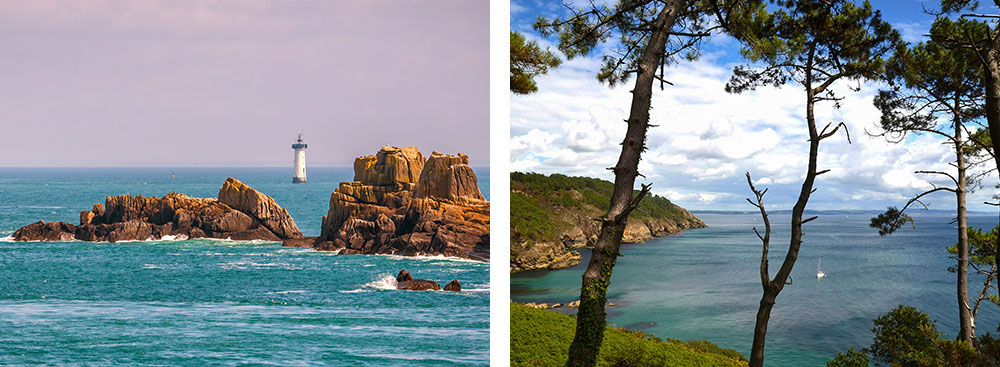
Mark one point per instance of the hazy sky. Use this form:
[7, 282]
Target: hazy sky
[230, 83]
[707, 139]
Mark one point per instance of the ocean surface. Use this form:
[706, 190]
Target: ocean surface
[220, 302]
[705, 283]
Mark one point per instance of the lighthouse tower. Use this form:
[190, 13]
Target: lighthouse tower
[299, 173]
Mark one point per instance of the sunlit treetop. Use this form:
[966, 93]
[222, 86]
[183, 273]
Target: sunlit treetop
[815, 43]
[625, 29]
[528, 60]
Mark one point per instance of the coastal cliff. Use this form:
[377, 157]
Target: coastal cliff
[239, 213]
[553, 215]
[401, 203]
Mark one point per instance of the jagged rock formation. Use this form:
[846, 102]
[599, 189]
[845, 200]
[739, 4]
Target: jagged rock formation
[551, 216]
[400, 203]
[240, 213]
[263, 208]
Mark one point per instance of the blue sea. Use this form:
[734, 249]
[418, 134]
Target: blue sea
[220, 302]
[705, 283]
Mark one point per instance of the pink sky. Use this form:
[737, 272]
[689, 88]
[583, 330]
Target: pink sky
[230, 83]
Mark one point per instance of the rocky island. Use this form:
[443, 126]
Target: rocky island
[239, 213]
[401, 203]
[553, 215]
[405, 281]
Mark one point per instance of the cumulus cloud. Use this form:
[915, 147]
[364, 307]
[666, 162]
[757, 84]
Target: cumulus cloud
[707, 139]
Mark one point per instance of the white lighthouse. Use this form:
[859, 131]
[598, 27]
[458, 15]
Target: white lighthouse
[299, 175]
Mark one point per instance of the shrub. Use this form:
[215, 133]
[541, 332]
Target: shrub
[905, 337]
[852, 358]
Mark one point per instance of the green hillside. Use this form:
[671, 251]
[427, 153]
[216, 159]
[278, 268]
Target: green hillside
[538, 204]
[542, 338]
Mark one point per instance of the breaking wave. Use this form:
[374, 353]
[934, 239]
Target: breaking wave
[387, 282]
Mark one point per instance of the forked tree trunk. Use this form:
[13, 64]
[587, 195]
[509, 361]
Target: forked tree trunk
[590, 317]
[774, 286]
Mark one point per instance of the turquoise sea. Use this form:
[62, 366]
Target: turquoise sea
[220, 302]
[705, 283]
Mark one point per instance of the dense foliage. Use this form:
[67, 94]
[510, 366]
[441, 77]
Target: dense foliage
[908, 337]
[528, 60]
[529, 218]
[542, 338]
[852, 358]
[536, 200]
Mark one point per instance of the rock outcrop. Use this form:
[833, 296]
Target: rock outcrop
[400, 203]
[454, 286]
[406, 282]
[135, 218]
[263, 208]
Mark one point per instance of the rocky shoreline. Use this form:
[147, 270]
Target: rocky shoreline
[564, 254]
[567, 206]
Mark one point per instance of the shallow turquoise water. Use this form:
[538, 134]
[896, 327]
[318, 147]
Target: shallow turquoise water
[220, 302]
[705, 284]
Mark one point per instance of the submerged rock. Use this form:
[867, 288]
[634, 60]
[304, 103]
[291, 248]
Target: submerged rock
[418, 285]
[543, 306]
[401, 204]
[405, 281]
[454, 286]
[299, 242]
[137, 218]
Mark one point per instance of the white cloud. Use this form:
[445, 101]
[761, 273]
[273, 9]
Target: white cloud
[704, 197]
[534, 142]
[707, 139]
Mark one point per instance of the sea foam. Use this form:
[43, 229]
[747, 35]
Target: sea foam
[386, 282]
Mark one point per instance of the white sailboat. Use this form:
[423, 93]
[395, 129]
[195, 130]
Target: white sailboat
[819, 273]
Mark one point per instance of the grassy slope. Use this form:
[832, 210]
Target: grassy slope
[535, 198]
[542, 338]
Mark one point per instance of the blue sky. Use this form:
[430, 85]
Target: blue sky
[708, 139]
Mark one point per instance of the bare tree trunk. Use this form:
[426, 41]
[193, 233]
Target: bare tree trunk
[773, 287]
[966, 331]
[760, 328]
[590, 319]
[992, 111]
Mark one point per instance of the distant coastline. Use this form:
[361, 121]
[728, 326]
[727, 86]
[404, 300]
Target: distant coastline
[829, 212]
[553, 215]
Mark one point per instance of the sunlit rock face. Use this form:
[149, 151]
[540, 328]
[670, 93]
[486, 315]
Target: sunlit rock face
[240, 213]
[401, 203]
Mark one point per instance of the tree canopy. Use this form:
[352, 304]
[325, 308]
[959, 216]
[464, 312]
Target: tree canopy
[528, 60]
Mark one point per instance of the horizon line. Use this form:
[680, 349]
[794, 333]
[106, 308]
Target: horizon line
[29, 167]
